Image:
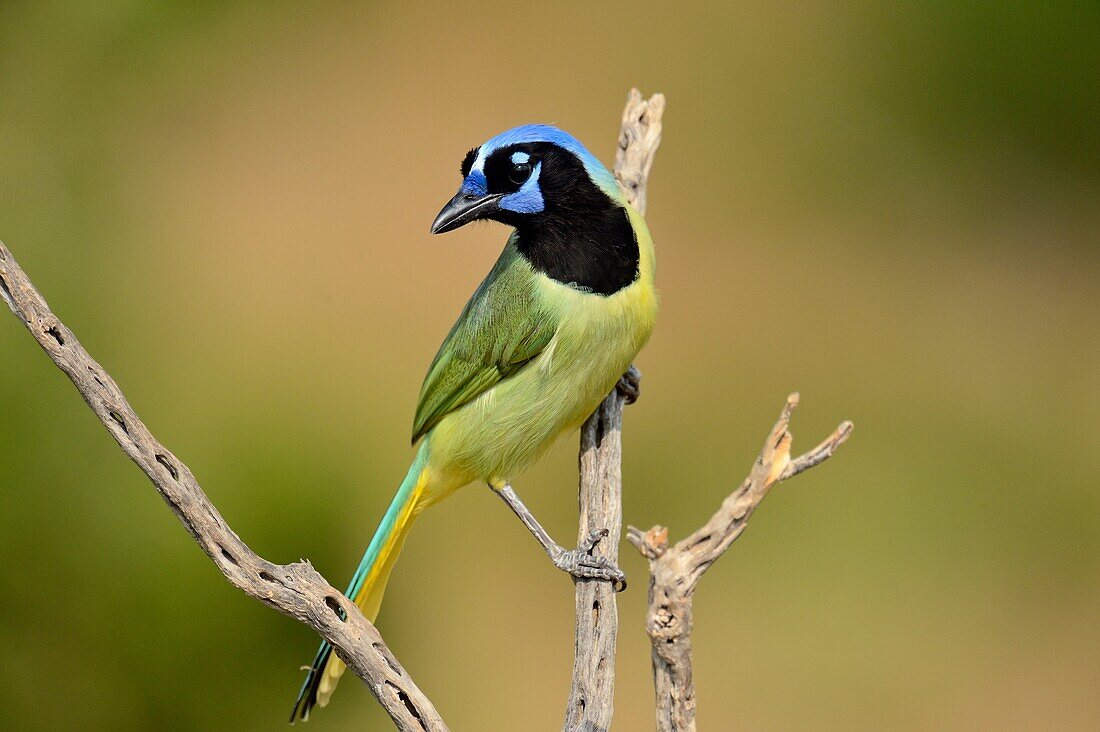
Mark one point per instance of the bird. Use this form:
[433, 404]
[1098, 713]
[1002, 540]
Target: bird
[549, 332]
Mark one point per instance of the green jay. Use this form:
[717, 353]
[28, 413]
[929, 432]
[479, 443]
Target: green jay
[544, 338]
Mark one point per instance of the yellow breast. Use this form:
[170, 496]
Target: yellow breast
[511, 424]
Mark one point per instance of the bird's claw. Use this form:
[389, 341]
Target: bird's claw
[630, 385]
[581, 563]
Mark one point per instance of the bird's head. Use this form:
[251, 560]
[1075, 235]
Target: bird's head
[527, 174]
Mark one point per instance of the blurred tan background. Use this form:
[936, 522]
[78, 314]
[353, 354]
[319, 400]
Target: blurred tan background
[890, 209]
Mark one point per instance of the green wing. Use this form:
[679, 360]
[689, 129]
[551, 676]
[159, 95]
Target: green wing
[501, 328]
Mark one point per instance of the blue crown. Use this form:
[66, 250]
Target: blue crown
[599, 174]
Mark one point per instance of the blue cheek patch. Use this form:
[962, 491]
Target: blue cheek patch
[528, 199]
[475, 184]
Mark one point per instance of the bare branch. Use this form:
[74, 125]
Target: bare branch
[295, 589]
[821, 453]
[639, 138]
[675, 571]
[591, 698]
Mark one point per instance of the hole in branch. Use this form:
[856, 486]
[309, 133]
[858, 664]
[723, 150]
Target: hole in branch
[229, 557]
[53, 331]
[171, 469]
[7, 293]
[404, 698]
[334, 606]
[267, 577]
[121, 422]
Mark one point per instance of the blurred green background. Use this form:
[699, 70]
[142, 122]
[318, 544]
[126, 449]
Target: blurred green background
[891, 208]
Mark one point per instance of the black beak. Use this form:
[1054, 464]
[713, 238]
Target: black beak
[464, 208]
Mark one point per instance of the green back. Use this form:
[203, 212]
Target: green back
[501, 328]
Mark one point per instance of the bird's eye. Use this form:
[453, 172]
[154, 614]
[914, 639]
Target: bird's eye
[520, 172]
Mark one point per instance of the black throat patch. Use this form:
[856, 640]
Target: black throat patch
[582, 238]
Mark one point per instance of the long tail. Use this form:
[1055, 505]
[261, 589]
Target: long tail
[369, 583]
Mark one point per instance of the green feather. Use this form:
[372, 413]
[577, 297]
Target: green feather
[500, 330]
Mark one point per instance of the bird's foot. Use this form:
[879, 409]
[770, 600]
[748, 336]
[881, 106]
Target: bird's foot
[580, 562]
[630, 385]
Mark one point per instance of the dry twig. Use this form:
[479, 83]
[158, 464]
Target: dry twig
[295, 589]
[675, 570]
[591, 698]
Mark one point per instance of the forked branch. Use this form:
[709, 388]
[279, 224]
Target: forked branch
[675, 570]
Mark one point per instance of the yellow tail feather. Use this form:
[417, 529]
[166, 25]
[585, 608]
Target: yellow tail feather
[369, 597]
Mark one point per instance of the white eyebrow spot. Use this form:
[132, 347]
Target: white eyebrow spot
[519, 158]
